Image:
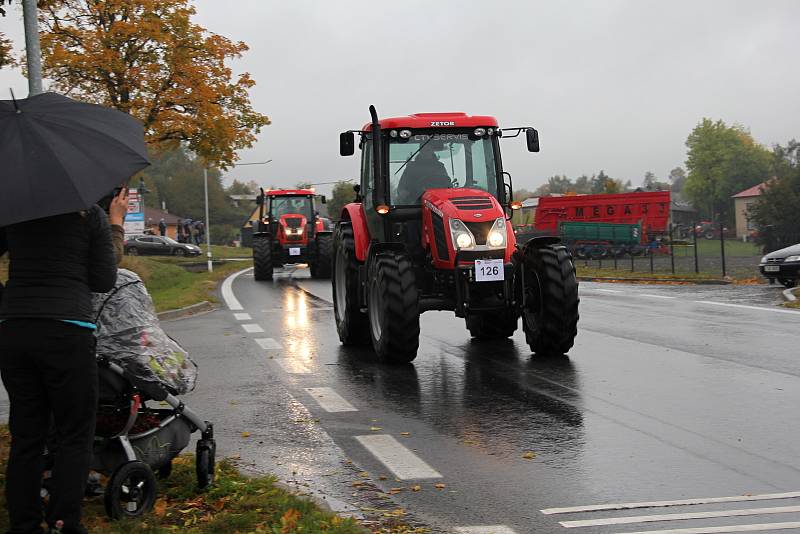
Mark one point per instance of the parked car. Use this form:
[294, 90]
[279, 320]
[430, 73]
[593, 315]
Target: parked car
[782, 265]
[159, 246]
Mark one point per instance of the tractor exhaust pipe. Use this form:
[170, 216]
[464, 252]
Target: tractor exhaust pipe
[379, 193]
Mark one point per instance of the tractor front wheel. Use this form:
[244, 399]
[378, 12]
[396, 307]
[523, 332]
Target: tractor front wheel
[484, 326]
[262, 257]
[351, 323]
[550, 309]
[321, 266]
[393, 308]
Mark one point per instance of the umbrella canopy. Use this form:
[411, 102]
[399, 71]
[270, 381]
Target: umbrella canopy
[58, 155]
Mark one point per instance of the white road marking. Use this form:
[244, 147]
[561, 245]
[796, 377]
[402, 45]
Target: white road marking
[608, 290]
[267, 343]
[760, 527]
[330, 401]
[252, 328]
[682, 502]
[398, 459]
[759, 308]
[242, 317]
[227, 291]
[486, 529]
[656, 296]
[679, 517]
[293, 366]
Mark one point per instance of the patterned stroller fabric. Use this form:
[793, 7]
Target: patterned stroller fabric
[129, 334]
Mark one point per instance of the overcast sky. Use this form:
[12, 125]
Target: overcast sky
[613, 85]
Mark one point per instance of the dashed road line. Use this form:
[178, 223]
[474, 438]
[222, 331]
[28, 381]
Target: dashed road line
[746, 307]
[682, 502]
[330, 401]
[242, 317]
[486, 529]
[252, 328]
[227, 291]
[397, 458]
[759, 527]
[650, 295]
[679, 517]
[267, 343]
[293, 366]
[607, 290]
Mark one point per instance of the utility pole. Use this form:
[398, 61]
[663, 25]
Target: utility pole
[33, 51]
[207, 221]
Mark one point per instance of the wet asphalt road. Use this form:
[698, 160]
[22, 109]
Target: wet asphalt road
[671, 392]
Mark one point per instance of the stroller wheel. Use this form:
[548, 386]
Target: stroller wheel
[205, 458]
[131, 490]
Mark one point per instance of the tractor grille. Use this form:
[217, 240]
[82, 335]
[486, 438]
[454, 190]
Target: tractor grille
[439, 237]
[294, 238]
[293, 222]
[472, 203]
[480, 230]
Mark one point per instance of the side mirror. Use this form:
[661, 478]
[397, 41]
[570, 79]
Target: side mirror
[347, 144]
[323, 199]
[532, 137]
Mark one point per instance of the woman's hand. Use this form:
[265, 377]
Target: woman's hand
[118, 208]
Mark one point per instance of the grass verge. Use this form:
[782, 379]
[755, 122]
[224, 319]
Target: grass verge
[795, 304]
[173, 287]
[236, 503]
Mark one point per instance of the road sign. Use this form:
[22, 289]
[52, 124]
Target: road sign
[134, 220]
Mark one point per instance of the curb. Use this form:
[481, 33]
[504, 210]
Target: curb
[194, 309]
[701, 282]
[788, 294]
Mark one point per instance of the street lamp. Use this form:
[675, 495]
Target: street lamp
[208, 221]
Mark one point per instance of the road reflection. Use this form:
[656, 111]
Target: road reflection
[298, 341]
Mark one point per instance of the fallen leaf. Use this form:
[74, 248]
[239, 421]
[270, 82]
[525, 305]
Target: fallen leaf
[416, 488]
[375, 428]
[382, 477]
[440, 486]
[530, 455]
[363, 474]
[245, 434]
[160, 507]
[405, 433]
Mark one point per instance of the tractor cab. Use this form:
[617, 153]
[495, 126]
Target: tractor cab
[429, 231]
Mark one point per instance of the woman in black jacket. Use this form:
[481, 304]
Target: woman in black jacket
[47, 359]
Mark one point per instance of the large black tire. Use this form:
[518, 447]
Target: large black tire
[262, 257]
[131, 490]
[487, 326]
[321, 266]
[393, 307]
[351, 323]
[550, 312]
[788, 282]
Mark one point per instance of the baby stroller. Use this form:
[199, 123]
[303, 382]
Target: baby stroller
[141, 423]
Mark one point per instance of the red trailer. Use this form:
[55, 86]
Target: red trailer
[650, 208]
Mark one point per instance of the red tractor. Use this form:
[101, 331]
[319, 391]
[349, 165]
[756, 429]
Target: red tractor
[289, 230]
[429, 230]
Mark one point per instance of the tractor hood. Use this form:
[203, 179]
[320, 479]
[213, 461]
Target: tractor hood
[469, 205]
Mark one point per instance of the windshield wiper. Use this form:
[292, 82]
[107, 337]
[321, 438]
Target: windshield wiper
[414, 154]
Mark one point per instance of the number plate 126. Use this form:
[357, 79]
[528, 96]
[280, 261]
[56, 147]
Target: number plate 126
[488, 270]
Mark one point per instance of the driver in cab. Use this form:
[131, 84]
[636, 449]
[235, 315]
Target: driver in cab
[425, 172]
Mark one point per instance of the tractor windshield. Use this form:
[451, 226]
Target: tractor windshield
[433, 161]
[292, 205]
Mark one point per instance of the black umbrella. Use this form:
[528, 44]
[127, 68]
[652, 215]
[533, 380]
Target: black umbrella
[58, 155]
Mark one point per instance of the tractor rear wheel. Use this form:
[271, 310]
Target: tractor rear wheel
[550, 310]
[484, 326]
[393, 308]
[321, 266]
[262, 257]
[351, 323]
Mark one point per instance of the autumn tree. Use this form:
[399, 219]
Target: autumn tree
[6, 57]
[341, 195]
[147, 58]
[775, 212]
[722, 161]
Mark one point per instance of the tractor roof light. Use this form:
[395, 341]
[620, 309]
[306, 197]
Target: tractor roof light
[490, 131]
[479, 132]
[393, 133]
[405, 134]
[382, 209]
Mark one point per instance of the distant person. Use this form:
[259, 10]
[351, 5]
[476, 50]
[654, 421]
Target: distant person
[47, 359]
[201, 232]
[162, 227]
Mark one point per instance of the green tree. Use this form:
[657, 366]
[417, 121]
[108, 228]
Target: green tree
[651, 183]
[341, 195]
[240, 188]
[776, 212]
[722, 160]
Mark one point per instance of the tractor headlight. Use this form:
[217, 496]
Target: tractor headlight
[497, 235]
[462, 237]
